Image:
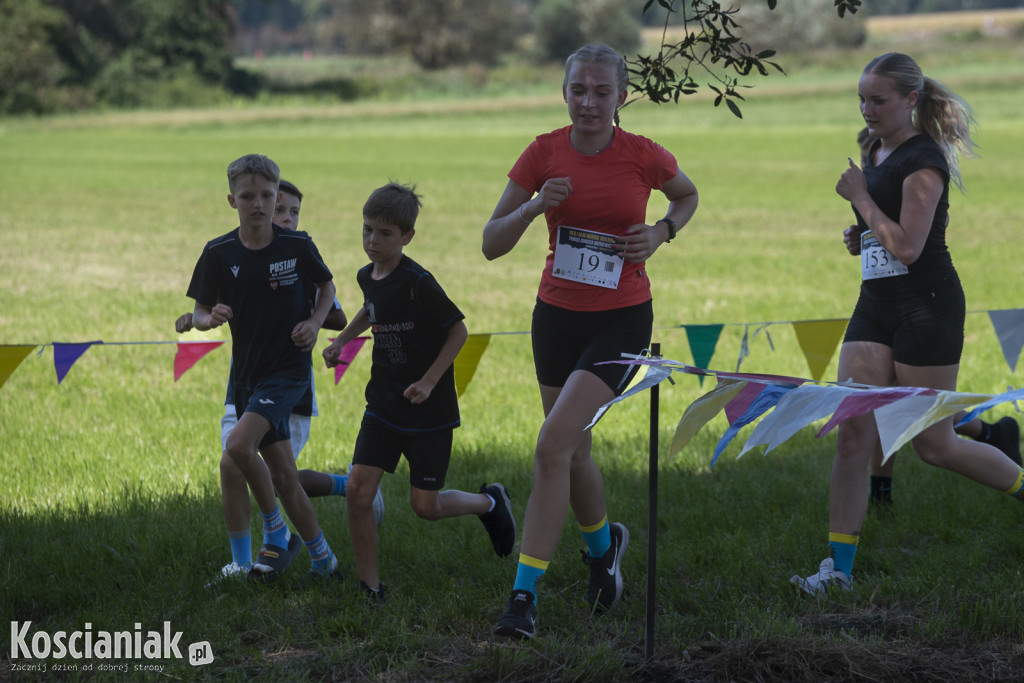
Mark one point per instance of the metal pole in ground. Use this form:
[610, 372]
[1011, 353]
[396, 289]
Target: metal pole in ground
[652, 515]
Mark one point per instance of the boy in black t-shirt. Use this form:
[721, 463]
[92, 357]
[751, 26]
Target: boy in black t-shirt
[411, 403]
[258, 278]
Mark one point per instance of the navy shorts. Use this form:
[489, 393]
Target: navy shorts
[565, 341]
[428, 453]
[923, 328]
[273, 398]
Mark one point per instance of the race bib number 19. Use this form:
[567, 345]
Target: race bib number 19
[587, 256]
[876, 261]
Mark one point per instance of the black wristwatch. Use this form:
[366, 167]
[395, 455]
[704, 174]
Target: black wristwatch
[671, 227]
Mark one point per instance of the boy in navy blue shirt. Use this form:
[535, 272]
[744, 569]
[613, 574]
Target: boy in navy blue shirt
[258, 279]
[411, 403]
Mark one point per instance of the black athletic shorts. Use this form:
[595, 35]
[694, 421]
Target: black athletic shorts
[565, 341]
[923, 328]
[428, 453]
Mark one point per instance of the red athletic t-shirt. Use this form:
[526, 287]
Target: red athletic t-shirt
[610, 193]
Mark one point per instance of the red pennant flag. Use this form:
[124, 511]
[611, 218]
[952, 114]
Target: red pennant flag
[189, 354]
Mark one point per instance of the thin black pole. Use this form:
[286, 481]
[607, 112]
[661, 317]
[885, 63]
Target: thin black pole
[652, 515]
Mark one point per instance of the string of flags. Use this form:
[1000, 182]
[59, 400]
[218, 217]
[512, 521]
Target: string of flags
[817, 339]
[785, 405]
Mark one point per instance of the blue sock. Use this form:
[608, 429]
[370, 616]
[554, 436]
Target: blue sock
[843, 548]
[597, 537]
[338, 482]
[241, 547]
[275, 531]
[320, 555]
[528, 573]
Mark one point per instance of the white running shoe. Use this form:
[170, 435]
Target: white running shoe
[827, 577]
[232, 570]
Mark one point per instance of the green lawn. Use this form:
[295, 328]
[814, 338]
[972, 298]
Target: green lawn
[110, 509]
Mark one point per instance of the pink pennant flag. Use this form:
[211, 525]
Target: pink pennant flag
[189, 354]
[65, 355]
[348, 353]
[738, 405]
[867, 400]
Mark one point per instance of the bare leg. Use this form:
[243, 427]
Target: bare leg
[362, 485]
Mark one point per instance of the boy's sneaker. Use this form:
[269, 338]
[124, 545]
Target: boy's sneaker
[826, 578]
[499, 522]
[520, 617]
[232, 570]
[375, 597]
[604, 589]
[1009, 438]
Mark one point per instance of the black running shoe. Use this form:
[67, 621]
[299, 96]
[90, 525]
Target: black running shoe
[520, 617]
[499, 522]
[605, 587]
[375, 597]
[1009, 438]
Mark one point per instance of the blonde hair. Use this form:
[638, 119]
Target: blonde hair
[600, 54]
[253, 164]
[939, 112]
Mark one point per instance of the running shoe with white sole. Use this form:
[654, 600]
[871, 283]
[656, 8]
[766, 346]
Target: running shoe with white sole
[520, 617]
[827, 577]
[604, 590]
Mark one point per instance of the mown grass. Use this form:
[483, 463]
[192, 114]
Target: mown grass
[110, 513]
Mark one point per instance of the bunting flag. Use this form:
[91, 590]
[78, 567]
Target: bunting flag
[762, 403]
[902, 420]
[700, 412]
[653, 374]
[739, 404]
[1011, 395]
[10, 358]
[806, 404]
[818, 340]
[901, 413]
[65, 355]
[1009, 326]
[347, 354]
[702, 340]
[189, 353]
[467, 360]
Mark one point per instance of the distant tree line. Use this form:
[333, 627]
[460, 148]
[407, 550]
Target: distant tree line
[62, 55]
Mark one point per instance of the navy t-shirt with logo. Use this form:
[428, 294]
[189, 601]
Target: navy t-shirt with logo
[268, 291]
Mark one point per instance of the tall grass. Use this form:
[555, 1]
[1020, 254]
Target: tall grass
[110, 504]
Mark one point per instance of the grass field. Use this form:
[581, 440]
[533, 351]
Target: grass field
[110, 508]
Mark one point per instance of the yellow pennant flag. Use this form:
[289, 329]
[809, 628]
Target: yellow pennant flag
[467, 360]
[818, 340]
[10, 359]
[698, 413]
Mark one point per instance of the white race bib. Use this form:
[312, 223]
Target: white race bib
[587, 256]
[876, 261]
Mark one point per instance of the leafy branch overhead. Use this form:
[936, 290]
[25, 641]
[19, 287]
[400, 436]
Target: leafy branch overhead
[711, 47]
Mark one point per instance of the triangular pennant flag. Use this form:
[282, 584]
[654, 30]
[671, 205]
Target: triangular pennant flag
[654, 373]
[698, 413]
[867, 400]
[1010, 396]
[65, 355]
[703, 339]
[1009, 325]
[10, 359]
[901, 421]
[818, 340]
[764, 401]
[468, 359]
[346, 355]
[189, 354]
[794, 411]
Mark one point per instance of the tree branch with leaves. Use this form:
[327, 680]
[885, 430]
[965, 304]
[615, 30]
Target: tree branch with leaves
[711, 47]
